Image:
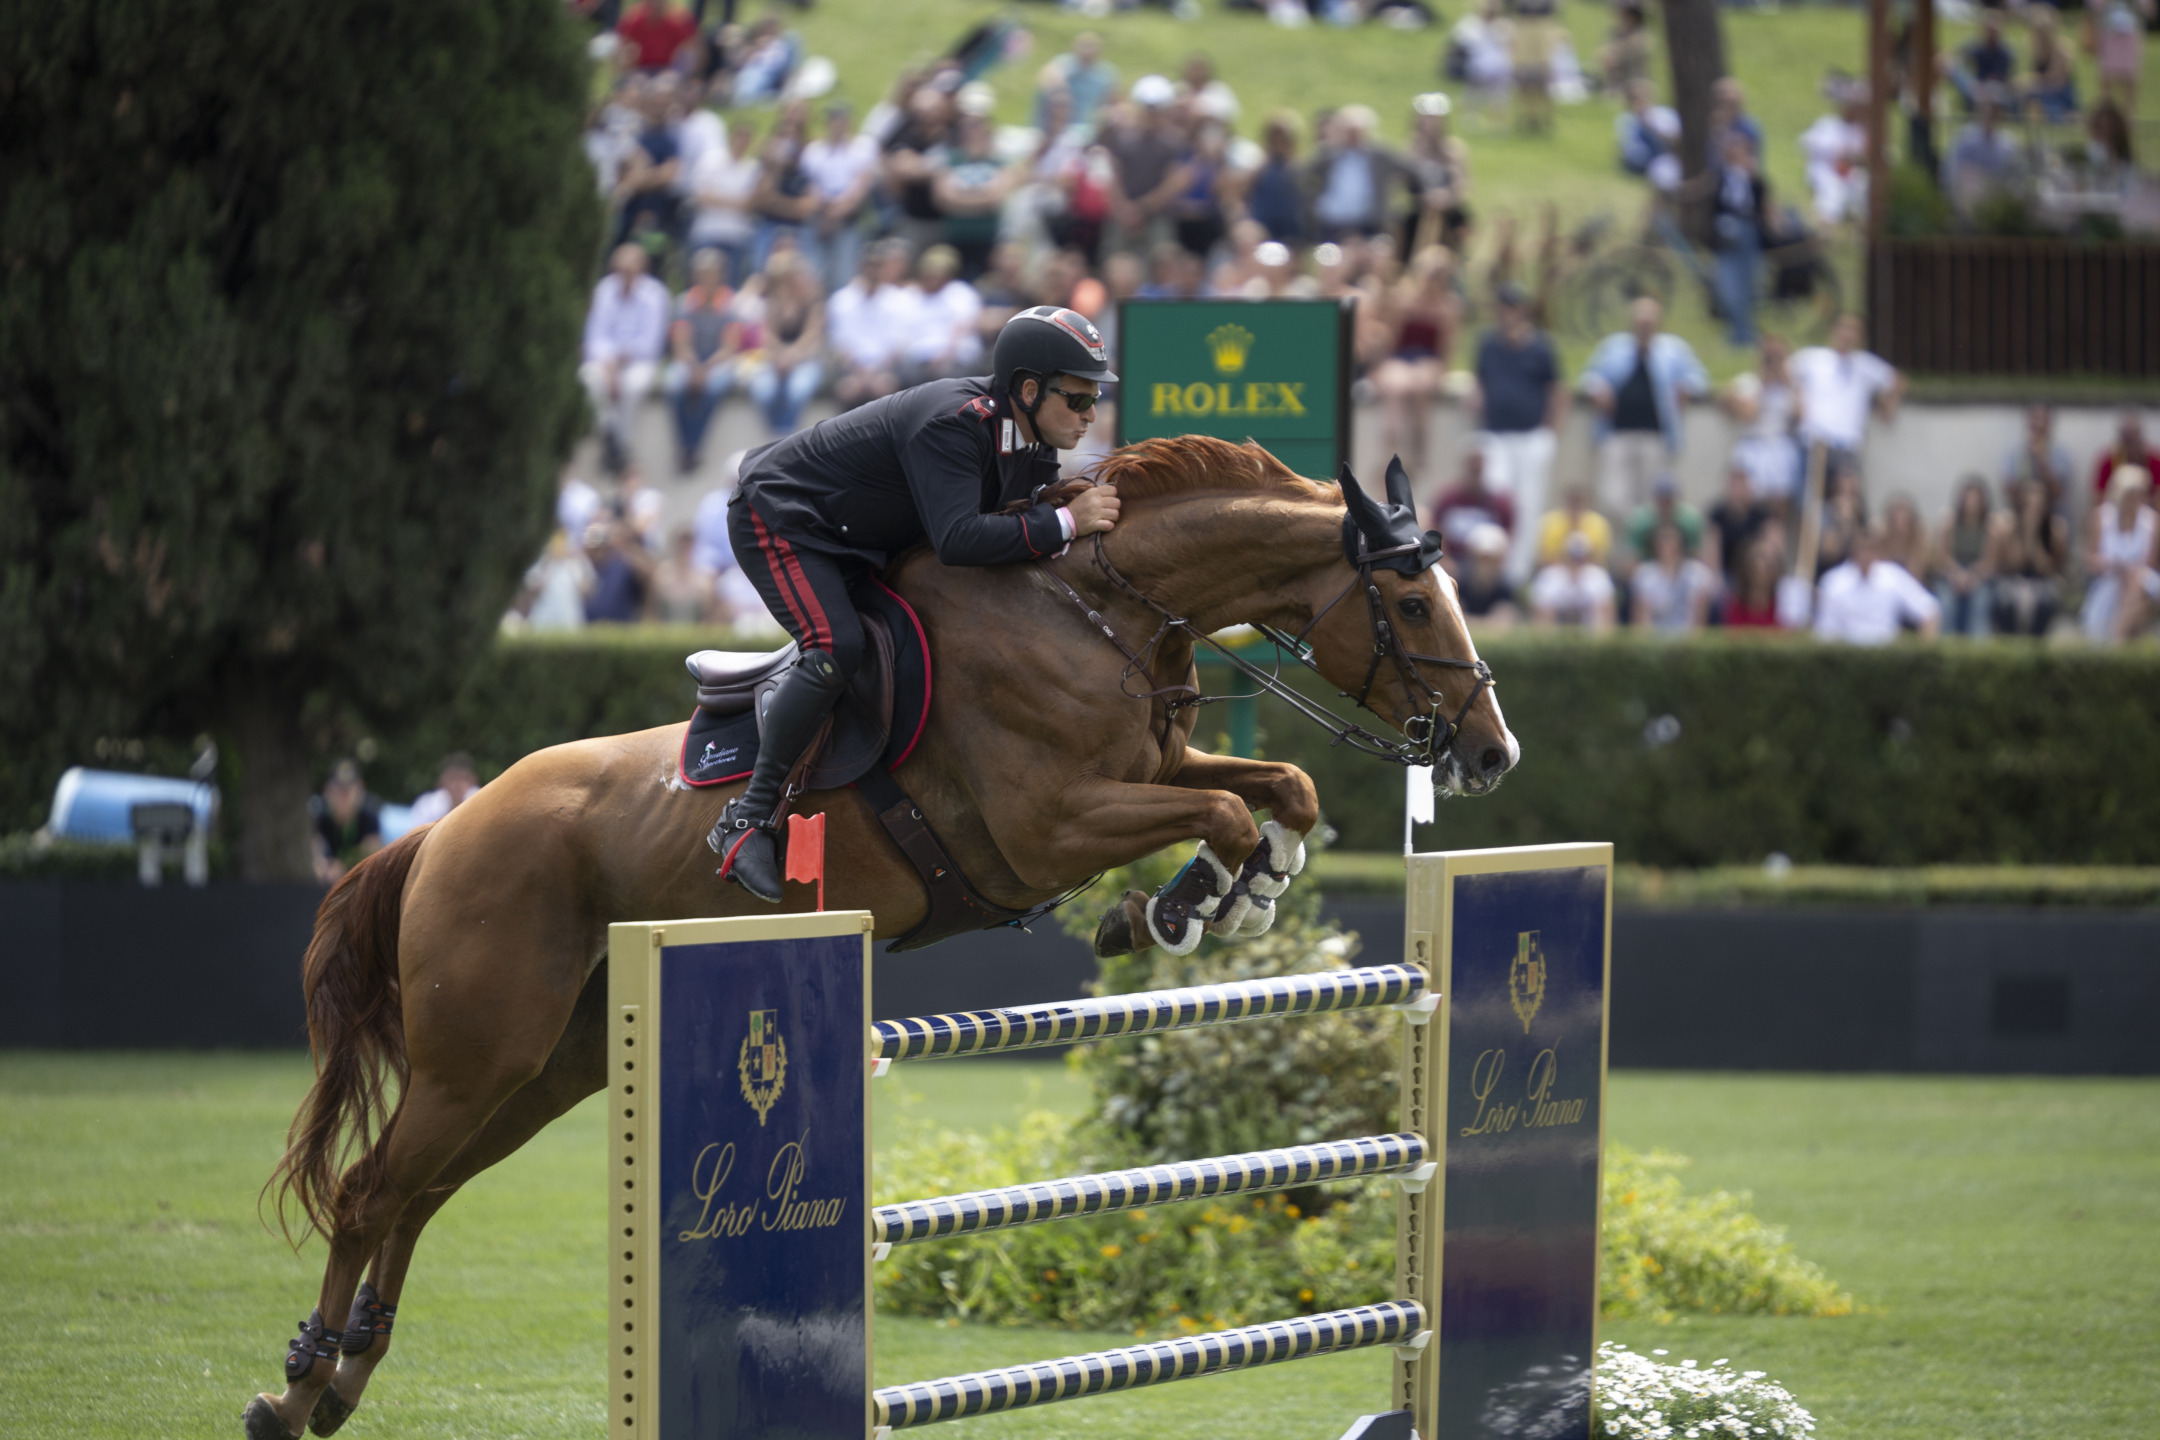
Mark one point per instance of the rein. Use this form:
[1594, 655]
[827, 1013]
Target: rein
[1426, 736]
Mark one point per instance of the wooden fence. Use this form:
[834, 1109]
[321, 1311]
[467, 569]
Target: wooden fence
[2015, 307]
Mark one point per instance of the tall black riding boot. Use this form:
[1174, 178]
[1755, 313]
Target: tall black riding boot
[744, 836]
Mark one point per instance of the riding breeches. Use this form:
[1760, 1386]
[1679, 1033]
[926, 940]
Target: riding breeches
[806, 590]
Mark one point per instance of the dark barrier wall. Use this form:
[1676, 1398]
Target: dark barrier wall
[2054, 991]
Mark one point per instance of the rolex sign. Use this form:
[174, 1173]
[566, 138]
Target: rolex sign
[1275, 371]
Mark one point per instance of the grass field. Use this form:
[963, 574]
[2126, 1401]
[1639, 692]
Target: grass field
[2000, 1232]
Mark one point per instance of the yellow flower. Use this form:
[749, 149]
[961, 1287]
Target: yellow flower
[1050, 1275]
[1305, 1295]
[1292, 1211]
[1111, 1252]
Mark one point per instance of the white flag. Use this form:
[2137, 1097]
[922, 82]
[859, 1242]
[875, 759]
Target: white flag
[1418, 798]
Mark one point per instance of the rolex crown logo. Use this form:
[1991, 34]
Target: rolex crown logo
[1229, 344]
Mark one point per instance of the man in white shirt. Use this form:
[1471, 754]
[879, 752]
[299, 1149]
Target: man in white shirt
[698, 132]
[1868, 600]
[1839, 385]
[1577, 591]
[944, 341]
[841, 168]
[722, 187]
[456, 781]
[871, 319]
[625, 338]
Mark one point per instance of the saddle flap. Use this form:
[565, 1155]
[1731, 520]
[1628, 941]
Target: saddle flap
[862, 721]
[728, 680]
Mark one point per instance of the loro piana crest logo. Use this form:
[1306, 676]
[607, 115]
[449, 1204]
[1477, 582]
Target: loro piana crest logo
[1526, 978]
[762, 1065]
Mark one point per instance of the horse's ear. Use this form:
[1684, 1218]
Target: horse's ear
[1398, 483]
[1363, 511]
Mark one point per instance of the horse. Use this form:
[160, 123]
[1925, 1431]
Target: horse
[455, 981]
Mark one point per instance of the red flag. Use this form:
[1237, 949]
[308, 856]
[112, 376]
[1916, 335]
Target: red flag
[806, 851]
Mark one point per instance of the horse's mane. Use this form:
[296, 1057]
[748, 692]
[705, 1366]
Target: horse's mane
[1188, 464]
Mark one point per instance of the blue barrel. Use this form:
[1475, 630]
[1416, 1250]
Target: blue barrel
[95, 804]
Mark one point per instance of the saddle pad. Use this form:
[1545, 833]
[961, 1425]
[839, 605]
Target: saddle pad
[717, 749]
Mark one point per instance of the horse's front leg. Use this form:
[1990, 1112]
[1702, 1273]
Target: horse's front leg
[1287, 794]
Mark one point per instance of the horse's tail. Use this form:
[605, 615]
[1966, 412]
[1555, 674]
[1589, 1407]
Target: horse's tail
[356, 1032]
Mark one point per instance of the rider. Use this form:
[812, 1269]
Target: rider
[825, 506]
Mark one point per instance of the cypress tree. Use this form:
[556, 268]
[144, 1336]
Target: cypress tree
[289, 305]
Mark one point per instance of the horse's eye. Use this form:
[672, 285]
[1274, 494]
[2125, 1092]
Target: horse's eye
[1412, 607]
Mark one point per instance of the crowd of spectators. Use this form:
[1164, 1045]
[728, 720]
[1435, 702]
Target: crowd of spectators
[814, 252]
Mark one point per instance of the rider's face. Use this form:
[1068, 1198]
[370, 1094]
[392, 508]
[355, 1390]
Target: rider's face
[1057, 424]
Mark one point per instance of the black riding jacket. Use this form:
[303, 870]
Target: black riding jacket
[930, 463]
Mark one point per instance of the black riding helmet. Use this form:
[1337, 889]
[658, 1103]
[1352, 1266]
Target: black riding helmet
[1043, 341]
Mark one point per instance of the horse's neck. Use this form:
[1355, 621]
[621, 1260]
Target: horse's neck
[1222, 560]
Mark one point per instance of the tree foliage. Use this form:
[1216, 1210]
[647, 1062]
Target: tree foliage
[290, 303]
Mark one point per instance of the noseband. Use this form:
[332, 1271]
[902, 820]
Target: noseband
[1427, 737]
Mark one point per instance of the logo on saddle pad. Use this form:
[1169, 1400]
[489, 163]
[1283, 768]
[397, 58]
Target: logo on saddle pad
[762, 1065]
[1526, 978]
[714, 755]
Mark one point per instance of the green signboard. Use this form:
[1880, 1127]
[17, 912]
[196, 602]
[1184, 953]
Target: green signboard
[1275, 371]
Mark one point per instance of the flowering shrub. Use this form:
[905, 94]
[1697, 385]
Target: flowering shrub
[1639, 1399]
[1665, 1251]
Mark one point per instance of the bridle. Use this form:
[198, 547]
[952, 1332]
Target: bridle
[1427, 737]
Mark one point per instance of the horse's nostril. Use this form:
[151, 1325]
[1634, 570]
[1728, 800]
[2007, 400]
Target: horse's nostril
[1492, 760]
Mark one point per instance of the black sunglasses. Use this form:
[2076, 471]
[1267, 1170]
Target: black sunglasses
[1077, 401]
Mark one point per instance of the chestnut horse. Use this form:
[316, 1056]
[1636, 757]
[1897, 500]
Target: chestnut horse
[455, 983]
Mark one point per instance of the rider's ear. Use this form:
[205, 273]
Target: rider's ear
[1029, 391]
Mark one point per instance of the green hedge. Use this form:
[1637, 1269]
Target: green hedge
[1967, 753]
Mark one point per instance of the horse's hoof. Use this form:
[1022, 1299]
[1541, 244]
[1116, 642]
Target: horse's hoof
[260, 1422]
[331, 1411]
[1114, 934]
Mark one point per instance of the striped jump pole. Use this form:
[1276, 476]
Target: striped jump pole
[1145, 1012]
[1255, 1172]
[1016, 1387]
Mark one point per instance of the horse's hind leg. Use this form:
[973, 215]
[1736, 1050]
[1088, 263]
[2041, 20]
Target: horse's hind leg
[574, 1071]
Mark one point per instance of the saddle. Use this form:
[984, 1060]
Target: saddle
[871, 732]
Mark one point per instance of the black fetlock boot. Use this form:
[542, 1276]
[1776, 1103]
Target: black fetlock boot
[744, 836]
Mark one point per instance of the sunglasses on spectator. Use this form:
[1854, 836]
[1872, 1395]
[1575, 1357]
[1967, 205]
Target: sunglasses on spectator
[1077, 401]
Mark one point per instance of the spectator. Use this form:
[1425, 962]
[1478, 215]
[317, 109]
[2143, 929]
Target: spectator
[1752, 604]
[652, 31]
[1044, 208]
[2040, 456]
[2125, 583]
[1741, 224]
[2028, 557]
[557, 584]
[2118, 45]
[1982, 159]
[1144, 153]
[2052, 88]
[1534, 41]
[1665, 508]
[1197, 210]
[1482, 588]
[1840, 386]
[1738, 517]
[1574, 592]
[682, 591]
[723, 189]
[1204, 93]
[768, 58]
[1481, 53]
[456, 781]
[1174, 273]
[1844, 513]
[711, 550]
[1624, 58]
[2110, 160]
[1351, 177]
[784, 202]
[1574, 517]
[1904, 539]
[1275, 198]
[793, 338]
[1085, 78]
[577, 504]
[2129, 449]
[1984, 64]
[842, 167]
[1670, 592]
[1959, 567]
[910, 166]
[638, 506]
[1767, 406]
[1638, 380]
[698, 132]
[704, 342]
[1836, 150]
[1424, 311]
[347, 822]
[1437, 171]
[645, 189]
[1649, 136]
[1729, 116]
[971, 188]
[622, 571]
[1868, 600]
[1469, 505]
[626, 334]
[945, 340]
[1520, 405]
[871, 321]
